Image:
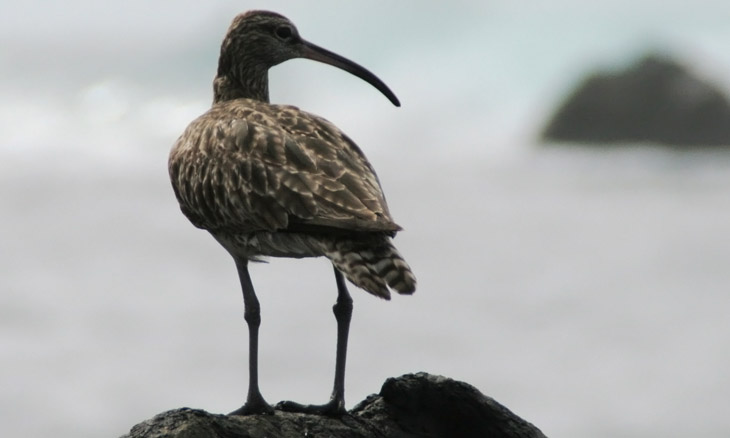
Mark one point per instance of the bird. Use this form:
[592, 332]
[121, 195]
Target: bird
[268, 180]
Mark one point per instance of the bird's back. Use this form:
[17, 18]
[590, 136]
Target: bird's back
[271, 180]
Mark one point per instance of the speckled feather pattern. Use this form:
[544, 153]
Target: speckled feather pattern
[272, 180]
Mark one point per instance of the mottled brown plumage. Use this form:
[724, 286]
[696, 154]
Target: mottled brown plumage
[272, 180]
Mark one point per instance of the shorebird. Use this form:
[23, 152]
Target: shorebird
[272, 180]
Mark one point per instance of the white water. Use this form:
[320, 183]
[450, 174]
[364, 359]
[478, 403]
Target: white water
[587, 291]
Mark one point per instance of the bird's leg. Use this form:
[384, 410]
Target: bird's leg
[255, 403]
[343, 314]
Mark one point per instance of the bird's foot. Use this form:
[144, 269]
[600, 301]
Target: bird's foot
[254, 405]
[333, 408]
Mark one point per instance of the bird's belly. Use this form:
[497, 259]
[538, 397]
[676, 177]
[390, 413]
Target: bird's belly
[266, 244]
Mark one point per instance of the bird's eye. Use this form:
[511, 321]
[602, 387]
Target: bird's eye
[284, 32]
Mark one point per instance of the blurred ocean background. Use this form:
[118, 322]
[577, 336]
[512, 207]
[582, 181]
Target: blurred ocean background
[588, 290]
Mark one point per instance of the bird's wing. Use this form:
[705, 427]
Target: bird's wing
[248, 166]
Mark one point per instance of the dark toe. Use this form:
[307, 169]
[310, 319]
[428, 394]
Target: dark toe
[334, 408]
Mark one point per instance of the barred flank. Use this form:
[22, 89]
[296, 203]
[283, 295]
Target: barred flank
[373, 267]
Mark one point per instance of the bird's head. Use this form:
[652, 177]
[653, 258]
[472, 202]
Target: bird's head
[259, 40]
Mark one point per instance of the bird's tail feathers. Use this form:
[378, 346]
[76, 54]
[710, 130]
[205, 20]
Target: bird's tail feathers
[373, 267]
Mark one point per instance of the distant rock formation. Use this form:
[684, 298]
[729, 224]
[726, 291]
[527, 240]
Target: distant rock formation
[410, 406]
[656, 100]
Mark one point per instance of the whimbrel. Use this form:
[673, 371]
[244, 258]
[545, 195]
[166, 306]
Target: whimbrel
[272, 180]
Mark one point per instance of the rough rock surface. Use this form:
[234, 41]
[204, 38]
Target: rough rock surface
[657, 100]
[413, 405]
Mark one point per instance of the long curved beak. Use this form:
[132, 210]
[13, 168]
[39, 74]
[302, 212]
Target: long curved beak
[316, 53]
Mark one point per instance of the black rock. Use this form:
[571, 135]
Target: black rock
[657, 100]
[413, 405]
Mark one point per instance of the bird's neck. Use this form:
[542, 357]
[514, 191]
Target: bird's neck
[243, 84]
